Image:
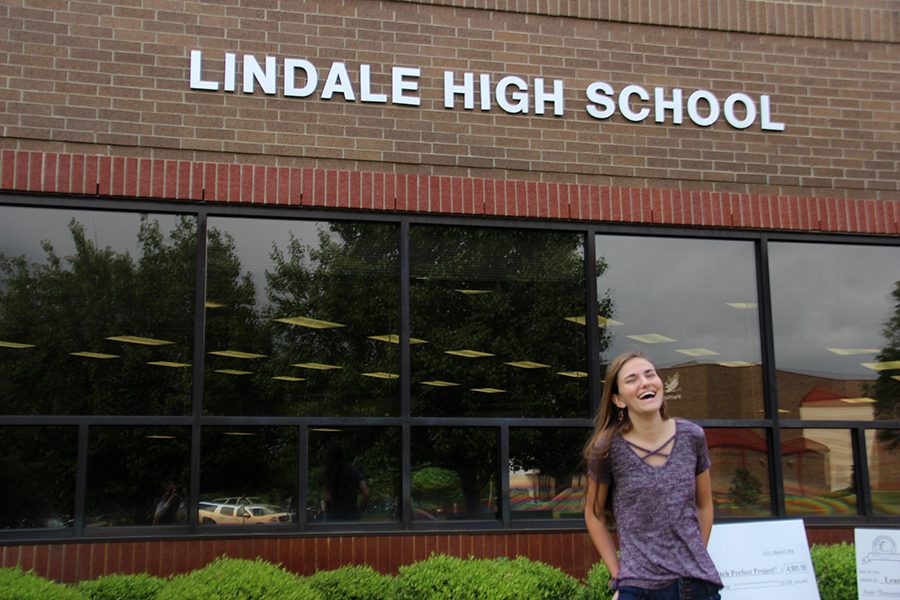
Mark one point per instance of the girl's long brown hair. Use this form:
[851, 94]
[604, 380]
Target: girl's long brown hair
[607, 423]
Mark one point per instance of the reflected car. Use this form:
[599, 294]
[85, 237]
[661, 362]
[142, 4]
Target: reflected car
[220, 513]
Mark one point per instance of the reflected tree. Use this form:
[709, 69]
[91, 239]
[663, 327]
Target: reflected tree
[346, 289]
[886, 388]
[74, 304]
[518, 296]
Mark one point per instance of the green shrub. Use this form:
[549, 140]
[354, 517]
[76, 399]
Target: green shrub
[598, 583]
[444, 577]
[235, 579]
[835, 567]
[550, 581]
[118, 587]
[16, 584]
[352, 583]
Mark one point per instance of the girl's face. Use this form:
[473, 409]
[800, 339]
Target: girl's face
[640, 389]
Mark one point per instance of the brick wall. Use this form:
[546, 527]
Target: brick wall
[868, 20]
[112, 79]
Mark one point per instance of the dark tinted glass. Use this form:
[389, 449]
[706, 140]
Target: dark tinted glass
[836, 318]
[691, 307]
[354, 474]
[883, 451]
[546, 473]
[248, 475]
[302, 318]
[138, 476]
[491, 317]
[454, 473]
[739, 472]
[96, 312]
[818, 472]
[37, 471]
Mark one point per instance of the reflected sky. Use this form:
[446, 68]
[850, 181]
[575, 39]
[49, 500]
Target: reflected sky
[254, 240]
[701, 294]
[24, 229]
[831, 296]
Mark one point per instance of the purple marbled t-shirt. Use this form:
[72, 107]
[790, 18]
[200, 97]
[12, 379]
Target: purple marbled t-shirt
[656, 513]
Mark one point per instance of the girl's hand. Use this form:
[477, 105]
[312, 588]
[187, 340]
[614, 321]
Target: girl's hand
[615, 595]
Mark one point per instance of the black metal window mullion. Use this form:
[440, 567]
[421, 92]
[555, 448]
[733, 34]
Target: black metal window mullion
[592, 308]
[861, 472]
[405, 383]
[503, 465]
[769, 371]
[81, 480]
[198, 369]
[302, 476]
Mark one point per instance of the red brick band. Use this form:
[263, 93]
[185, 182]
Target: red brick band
[129, 177]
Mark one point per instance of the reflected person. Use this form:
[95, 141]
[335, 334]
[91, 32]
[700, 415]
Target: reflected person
[344, 487]
[169, 507]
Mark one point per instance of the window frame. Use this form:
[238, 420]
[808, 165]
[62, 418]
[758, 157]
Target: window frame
[771, 423]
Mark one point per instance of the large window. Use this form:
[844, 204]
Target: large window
[248, 476]
[96, 312]
[455, 473]
[494, 315]
[546, 475]
[177, 374]
[354, 474]
[836, 324]
[138, 476]
[38, 477]
[692, 307]
[302, 318]
[739, 471]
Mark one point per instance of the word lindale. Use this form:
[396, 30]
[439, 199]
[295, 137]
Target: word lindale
[514, 95]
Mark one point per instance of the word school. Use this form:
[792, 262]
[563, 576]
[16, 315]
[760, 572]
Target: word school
[513, 95]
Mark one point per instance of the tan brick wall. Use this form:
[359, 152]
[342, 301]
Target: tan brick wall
[867, 20]
[112, 79]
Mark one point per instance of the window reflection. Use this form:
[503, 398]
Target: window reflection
[354, 474]
[883, 451]
[740, 471]
[818, 472]
[38, 477]
[138, 476]
[491, 314]
[302, 318]
[691, 306]
[546, 473]
[836, 319]
[96, 312]
[248, 475]
[454, 473]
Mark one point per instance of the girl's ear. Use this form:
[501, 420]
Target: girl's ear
[617, 402]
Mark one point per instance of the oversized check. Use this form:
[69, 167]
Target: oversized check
[764, 559]
[878, 563]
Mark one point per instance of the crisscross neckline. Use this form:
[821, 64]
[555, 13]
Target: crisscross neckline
[658, 452]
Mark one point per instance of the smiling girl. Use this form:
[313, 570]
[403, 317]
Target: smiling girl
[654, 473]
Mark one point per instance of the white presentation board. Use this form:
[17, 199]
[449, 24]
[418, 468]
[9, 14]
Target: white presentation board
[878, 563]
[764, 559]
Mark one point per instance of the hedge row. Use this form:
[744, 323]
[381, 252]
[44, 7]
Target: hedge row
[438, 578]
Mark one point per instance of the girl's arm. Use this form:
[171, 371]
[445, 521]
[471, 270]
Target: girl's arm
[597, 527]
[704, 504]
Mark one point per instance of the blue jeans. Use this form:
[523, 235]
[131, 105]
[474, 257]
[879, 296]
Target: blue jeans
[683, 589]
